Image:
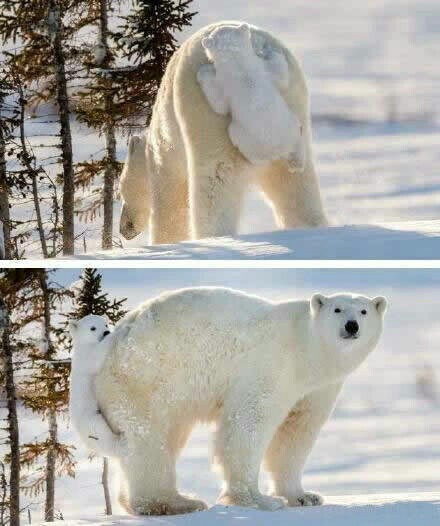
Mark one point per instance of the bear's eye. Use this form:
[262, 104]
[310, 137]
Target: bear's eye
[337, 310]
[93, 329]
[364, 312]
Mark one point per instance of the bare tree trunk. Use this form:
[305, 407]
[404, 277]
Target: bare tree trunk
[55, 31]
[38, 214]
[14, 441]
[104, 480]
[4, 201]
[4, 518]
[110, 139]
[49, 508]
[26, 158]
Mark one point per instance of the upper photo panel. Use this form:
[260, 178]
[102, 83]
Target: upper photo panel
[184, 129]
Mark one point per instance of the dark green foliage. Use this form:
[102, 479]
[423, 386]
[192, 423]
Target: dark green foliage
[146, 38]
[92, 300]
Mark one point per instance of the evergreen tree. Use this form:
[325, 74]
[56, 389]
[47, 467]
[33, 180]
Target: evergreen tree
[146, 38]
[48, 58]
[96, 108]
[32, 297]
[26, 179]
[90, 299]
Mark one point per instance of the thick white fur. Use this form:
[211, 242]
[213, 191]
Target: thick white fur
[267, 373]
[192, 181]
[91, 337]
[238, 82]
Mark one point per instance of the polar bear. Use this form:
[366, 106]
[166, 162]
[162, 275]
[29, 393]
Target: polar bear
[89, 336]
[241, 83]
[195, 178]
[266, 373]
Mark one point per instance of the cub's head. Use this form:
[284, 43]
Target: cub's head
[348, 322]
[225, 40]
[89, 330]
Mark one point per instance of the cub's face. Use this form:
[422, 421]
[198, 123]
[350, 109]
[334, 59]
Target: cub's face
[89, 330]
[346, 321]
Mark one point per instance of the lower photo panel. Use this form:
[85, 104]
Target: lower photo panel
[167, 392]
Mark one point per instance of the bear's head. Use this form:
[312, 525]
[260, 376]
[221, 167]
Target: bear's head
[226, 40]
[89, 330]
[133, 188]
[348, 325]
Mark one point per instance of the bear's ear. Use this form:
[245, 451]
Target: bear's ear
[381, 304]
[208, 43]
[73, 326]
[317, 302]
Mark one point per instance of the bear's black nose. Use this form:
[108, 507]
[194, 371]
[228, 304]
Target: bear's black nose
[105, 333]
[352, 327]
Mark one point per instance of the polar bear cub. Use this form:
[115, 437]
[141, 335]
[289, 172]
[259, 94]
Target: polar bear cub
[266, 373]
[238, 81]
[90, 348]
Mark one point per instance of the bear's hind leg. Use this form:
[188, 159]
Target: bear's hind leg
[216, 194]
[294, 197]
[150, 472]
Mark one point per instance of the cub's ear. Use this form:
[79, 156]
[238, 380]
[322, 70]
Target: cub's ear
[317, 302]
[208, 43]
[380, 303]
[244, 29]
[73, 326]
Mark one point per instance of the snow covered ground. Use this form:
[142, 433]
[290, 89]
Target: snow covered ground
[373, 75]
[401, 240]
[383, 438]
[404, 510]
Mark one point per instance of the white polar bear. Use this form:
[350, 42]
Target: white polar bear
[192, 180]
[245, 85]
[90, 347]
[267, 373]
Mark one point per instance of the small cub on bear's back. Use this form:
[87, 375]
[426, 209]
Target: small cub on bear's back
[90, 337]
[247, 86]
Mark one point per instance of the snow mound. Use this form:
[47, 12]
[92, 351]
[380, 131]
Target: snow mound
[402, 240]
[386, 510]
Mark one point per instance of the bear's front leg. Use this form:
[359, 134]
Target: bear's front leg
[242, 437]
[288, 451]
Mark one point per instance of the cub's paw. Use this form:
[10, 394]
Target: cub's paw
[306, 499]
